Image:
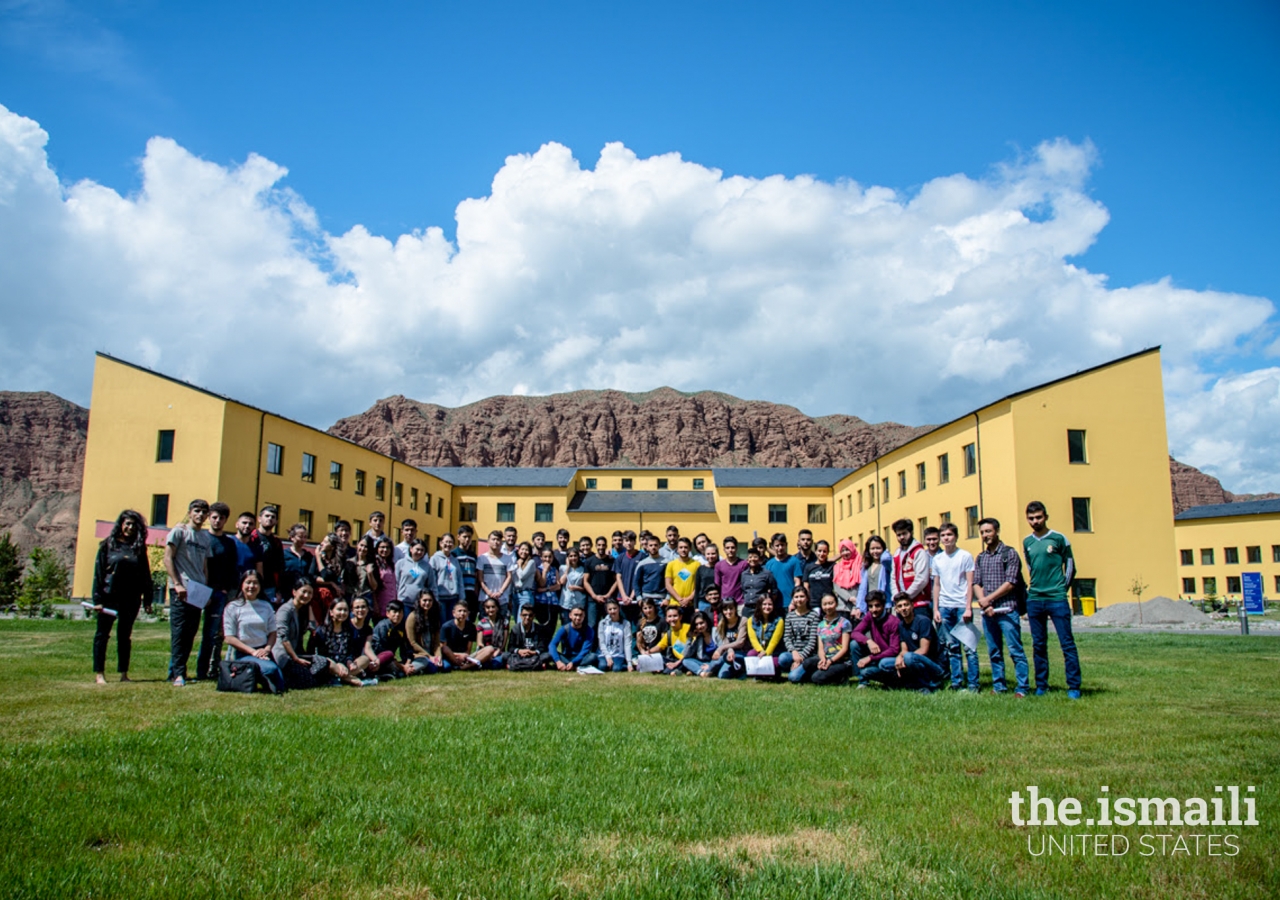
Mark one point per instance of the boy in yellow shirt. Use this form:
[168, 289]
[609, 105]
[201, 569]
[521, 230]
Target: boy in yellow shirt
[682, 575]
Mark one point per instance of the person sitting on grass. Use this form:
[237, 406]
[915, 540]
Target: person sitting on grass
[649, 629]
[574, 644]
[674, 641]
[388, 642]
[699, 654]
[831, 664]
[458, 639]
[249, 628]
[339, 643]
[300, 672]
[613, 638]
[765, 627]
[527, 652]
[875, 638]
[731, 643]
[918, 663]
[491, 634]
[422, 631]
[360, 621]
[800, 636]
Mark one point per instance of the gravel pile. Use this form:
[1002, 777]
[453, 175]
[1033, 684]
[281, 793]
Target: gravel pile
[1157, 611]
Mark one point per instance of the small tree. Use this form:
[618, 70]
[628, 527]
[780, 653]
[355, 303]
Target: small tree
[46, 581]
[1138, 587]
[10, 572]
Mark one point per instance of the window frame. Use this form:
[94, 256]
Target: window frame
[1231, 556]
[699, 484]
[944, 468]
[970, 454]
[1207, 556]
[544, 512]
[1186, 557]
[591, 484]
[1253, 555]
[777, 514]
[1079, 504]
[971, 517]
[467, 512]
[335, 475]
[902, 483]
[275, 458]
[309, 468]
[307, 518]
[359, 482]
[160, 444]
[663, 484]
[1189, 585]
[379, 488]
[160, 510]
[506, 512]
[739, 513]
[627, 483]
[817, 513]
[1083, 447]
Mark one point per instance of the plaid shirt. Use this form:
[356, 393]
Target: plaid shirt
[994, 569]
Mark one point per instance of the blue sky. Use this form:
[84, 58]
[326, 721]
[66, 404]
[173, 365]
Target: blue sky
[387, 116]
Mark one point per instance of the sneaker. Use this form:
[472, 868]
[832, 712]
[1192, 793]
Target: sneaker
[179, 682]
[926, 691]
[999, 691]
[1020, 695]
[1073, 695]
[862, 686]
[1040, 692]
[368, 682]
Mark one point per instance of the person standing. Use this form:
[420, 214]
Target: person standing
[469, 565]
[624, 565]
[299, 562]
[248, 556]
[846, 576]
[877, 566]
[997, 584]
[224, 576]
[493, 575]
[681, 575]
[671, 549]
[755, 581]
[121, 586]
[819, 574]
[601, 583]
[448, 577]
[408, 534]
[1051, 566]
[186, 555]
[911, 574]
[729, 572]
[953, 604]
[786, 568]
[271, 552]
[650, 574]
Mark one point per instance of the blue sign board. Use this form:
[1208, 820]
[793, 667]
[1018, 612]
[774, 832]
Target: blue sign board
[1252, 584]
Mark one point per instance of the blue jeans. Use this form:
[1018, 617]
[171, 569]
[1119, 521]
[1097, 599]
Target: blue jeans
[696, 665]
[952, 616]
[522, 599]
[920, 671]
[269, 670]
[593, 614]
[795, 676]
[1039, 612]
[1005, 629]
[613, 663]
[722, 668]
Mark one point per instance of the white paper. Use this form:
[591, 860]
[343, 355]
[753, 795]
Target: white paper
[965, 634]
[104, 610]
[197, 594]
[760, 665]
[649, 662]
[589, 670]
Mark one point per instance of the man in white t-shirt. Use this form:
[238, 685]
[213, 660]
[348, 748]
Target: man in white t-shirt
[952, 571]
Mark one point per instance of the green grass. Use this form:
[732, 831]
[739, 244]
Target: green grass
[553, 785]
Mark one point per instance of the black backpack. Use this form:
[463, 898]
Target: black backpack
[240, 677]
[1019, 585]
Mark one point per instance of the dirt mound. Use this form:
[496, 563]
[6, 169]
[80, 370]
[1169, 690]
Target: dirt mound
[1156, 611]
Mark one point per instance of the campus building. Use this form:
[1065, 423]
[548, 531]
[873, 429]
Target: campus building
[1217, 543]
[1092, 446]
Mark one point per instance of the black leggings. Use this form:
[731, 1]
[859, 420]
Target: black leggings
[124, 645]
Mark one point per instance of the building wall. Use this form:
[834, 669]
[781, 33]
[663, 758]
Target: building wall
[1232, 532]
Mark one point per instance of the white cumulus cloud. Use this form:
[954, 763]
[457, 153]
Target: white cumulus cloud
[835, 297]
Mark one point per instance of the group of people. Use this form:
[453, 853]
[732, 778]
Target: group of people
[358, 612]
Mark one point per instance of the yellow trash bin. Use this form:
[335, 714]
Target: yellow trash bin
[1088, 605]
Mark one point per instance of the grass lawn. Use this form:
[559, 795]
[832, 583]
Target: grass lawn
[551, 785]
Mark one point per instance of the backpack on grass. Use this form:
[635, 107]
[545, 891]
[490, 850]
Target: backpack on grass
[239, 677]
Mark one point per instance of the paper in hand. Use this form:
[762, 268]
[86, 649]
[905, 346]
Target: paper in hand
[198, 595]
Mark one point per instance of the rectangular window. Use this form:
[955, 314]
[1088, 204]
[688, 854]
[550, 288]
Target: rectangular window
[1233, 584]
[871, 495]
[971, 521]
[466, 512]
[357, 529]
[737, 512]
[970, 459]
[360, 482]
[1081, 514]
[920, 477]
[817, 514]
[698, 484]
[943, 518]
[160, 510]
[1231, 556]
[426, 505]
[304, 519]
[506, 512]
[841, 507]
[1188, 585]
[591, 484]
[308, 468]
[1253, 554]
[397, 493]
[884, 494]
[944, 468]
[662, 484]
[921, 524]
[379, 488]
[1076, 447]
[275, 459]
[1275, 553]
[413, 498]
[777, 513]
[1206, 556]
[333, 524]
[1278, 584]
[1211, 587]
[439, 507]
[164, 446]
[859, 501]
[1187, 557]
[543, 512]
[335, 476]
[902, 483]
[626, 484]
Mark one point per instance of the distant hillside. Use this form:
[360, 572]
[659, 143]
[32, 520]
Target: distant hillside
[610, 428]
[1191, 487]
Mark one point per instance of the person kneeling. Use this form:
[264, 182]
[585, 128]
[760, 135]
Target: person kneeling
[574, 644]
[527, 651]
[874, 639]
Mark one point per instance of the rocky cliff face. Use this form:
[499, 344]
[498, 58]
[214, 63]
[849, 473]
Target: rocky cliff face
[611, 428]
[42, 442]
[1191, 487]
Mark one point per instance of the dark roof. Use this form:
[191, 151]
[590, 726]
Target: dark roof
[503, 476]
[643, 502]
[777, 477]
[1222, 510]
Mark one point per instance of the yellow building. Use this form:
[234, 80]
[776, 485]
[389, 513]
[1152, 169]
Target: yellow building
[1217, 543]
[1091, 446]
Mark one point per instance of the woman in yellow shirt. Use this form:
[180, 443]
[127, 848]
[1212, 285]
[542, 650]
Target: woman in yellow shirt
[765, 627]
[674, 641]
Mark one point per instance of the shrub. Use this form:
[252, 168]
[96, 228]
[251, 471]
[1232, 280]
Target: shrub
[46, 582]
[10, 572]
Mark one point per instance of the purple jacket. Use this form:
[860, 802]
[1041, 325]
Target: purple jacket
[883, 631]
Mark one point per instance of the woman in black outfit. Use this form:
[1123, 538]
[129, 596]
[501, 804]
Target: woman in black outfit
[121, 584]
